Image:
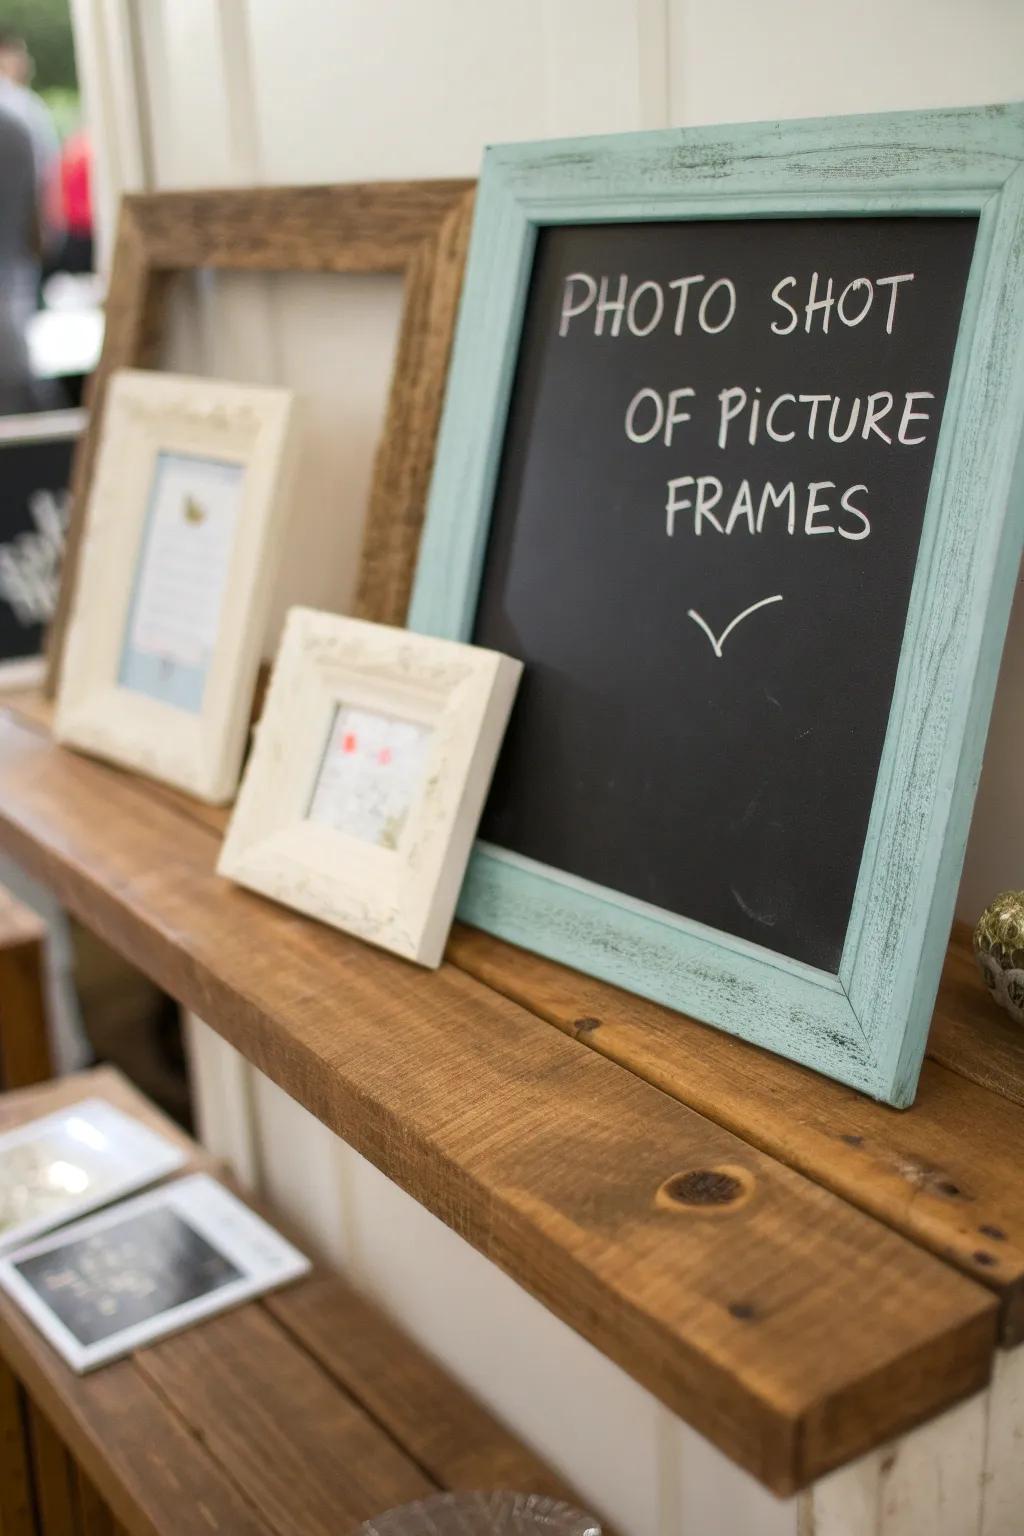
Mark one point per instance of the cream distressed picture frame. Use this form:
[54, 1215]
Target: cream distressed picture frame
[150, 419]
[400, 894]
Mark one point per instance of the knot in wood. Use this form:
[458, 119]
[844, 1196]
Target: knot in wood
[704, 1186]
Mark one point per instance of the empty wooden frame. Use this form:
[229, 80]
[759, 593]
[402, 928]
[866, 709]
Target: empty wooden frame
[418, 230]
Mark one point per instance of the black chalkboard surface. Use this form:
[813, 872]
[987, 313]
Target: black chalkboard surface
[716, 766]
[35, 468]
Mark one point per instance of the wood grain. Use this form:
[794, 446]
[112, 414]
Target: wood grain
[444, 1430]
[789, 1328]
[16, 1508]
[405, 456]
[970, 1033]
[418, 229]
[308, 1458]
[95, 1517]
[945, 1173]
[55, 1479]
[24, 1040]
[362, 227]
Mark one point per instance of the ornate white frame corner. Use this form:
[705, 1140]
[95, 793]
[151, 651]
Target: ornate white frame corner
[147, 414]
[402, 899]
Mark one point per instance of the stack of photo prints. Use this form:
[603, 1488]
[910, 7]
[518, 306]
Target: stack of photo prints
[140, 1268]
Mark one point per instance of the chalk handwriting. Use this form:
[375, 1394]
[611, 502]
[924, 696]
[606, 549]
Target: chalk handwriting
[716, 644]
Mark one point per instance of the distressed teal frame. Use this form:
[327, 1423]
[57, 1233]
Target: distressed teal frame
[866, 1025]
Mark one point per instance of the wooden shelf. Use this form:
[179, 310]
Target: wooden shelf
[353, 1418]
[798, 1272]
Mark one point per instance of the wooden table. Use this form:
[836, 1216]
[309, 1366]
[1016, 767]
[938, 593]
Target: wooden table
[300, 1414]
[798, 1272]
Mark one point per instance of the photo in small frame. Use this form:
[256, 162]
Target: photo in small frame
[367, 778]
[152, 1266]
[184, 525]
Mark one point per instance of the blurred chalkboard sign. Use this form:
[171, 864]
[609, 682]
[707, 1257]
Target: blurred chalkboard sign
[727, 461]
[35, 472]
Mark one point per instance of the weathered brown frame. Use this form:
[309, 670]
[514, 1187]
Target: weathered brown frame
[416, 229]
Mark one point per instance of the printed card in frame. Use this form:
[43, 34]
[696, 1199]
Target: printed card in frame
[866, 1021]
[185, 520]
[369, 769]
[108, 1285]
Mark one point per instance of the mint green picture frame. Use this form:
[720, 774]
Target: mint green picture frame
[867, 1024]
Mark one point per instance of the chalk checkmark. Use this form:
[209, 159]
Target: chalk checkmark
[716, 645]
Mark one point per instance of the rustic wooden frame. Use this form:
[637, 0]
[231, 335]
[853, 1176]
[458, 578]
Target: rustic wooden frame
[403, 897]
[867, 1023]
[417, 230]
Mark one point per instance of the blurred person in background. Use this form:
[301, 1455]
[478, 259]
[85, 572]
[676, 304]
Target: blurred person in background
[16, 94]
[71, 204]
[20, 253]
[16, 72]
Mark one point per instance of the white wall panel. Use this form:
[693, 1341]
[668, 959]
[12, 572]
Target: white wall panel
[740, 60]
[928, 1483]
[222, 1100]
[336, 339]
[1002, 1491]
[582, 1413]
[300, 1166]
[706, 1493]
[995, 853]
[183, 90]
[368, 89]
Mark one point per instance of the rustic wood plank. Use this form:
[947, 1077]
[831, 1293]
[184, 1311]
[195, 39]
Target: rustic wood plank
[945, 1173]
[418, 229]
[95, 1515]
[456, 1442]
[970, 1034]
[24, 1038]
[130, 1443]
[789, 1328]
[55, 1478]
[17, 1516]
[308, 1458]
[124, 1436]
[31, 708]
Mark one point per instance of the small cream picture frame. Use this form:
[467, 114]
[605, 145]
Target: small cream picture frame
[361, 798]
[174, 452]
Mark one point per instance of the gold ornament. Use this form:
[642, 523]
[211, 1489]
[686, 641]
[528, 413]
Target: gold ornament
[999, 951]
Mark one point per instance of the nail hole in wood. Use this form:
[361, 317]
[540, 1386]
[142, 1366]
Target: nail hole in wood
[854, 1141]
[742, 1310]
[585, 1027]
[996, 1233]
[986, 1260]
